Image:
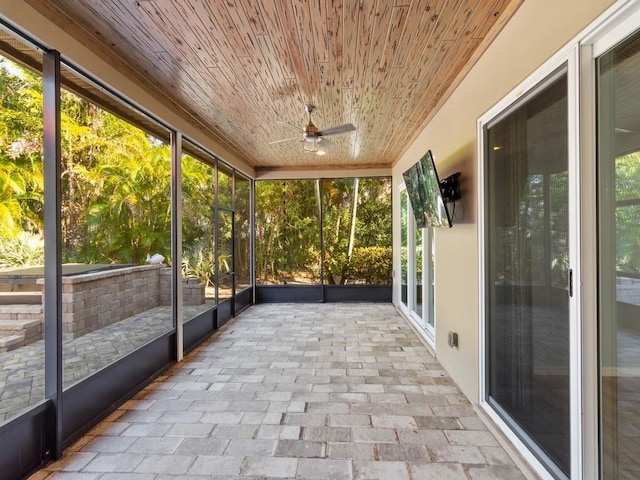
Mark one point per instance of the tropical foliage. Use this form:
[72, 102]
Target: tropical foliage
[115, 187]
[198, 223]
[628, 213]
[356, 231]
[115, 180]
[21, 168]
[287, 231]
[23, 250]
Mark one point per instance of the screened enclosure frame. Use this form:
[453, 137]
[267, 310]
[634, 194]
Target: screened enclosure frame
[40, 432]
[322, 291]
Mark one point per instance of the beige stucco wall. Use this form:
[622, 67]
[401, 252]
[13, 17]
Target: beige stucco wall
[537, 30]
[53, 37]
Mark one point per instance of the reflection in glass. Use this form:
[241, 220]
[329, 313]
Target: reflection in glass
[416, 305]
[287, 232]
[116, 227]
[423, 187]
[21, 236]
[619, 258]
[356, 219]
[198, 236]
[404, 273]
[430, 277]
[527, 270]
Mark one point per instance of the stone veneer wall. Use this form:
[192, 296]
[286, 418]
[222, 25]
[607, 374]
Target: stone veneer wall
[94, 300]
[192, 289]
[628, 290]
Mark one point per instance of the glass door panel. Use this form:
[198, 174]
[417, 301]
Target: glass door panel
[416, 304]
[527, 304]
[225, 260]
[198, 234]
[619, 258]
[242, 236]
[22, 203]
[429, 281]
[404, 238]
[416, 269]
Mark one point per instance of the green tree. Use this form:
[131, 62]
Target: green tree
[628, 213]
[287, 230]
[357, 230]
[116, 187]
[21, 166]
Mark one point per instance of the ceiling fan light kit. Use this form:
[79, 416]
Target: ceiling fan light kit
[313, 140]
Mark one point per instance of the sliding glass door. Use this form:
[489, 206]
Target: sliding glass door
[417, 270]
[618, 167]
[527, 313]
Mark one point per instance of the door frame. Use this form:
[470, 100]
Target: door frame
[425, 329]
[567, 57]
[616, 23]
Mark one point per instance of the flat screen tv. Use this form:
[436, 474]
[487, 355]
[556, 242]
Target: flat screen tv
[425, 195]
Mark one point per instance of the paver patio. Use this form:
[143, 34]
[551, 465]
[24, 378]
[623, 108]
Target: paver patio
[307, 391]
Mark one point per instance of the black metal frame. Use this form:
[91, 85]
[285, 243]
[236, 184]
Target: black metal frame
[358, 293]
[199, 328]
[94, 397]
[42, 431]
[288, 293]
[53, 250]
[24, 442]
[176, 242]
[322, 293]
[225, 311]
[243, 300]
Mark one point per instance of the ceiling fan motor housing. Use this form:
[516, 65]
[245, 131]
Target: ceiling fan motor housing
[310, 131]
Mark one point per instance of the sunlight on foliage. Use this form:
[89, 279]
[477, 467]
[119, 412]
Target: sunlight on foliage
[22, 250]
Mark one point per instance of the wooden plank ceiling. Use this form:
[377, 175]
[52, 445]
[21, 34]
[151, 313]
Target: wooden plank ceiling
[238, 67]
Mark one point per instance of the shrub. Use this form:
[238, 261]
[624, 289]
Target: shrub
[198, 259]
[370, 265]
[24, 250]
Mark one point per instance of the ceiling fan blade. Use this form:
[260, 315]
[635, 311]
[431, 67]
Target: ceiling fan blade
[284, 140]
[347, 127]
[290, 125]
[324, 143]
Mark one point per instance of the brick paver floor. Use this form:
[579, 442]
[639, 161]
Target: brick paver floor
[22, 370]
[306, 391]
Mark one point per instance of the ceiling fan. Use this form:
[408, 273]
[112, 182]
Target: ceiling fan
[312, 138]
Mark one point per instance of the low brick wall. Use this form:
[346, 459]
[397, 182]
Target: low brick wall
[97, 299]
[628, 290]
[192, 289]
[20, 324]
[94, 300]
